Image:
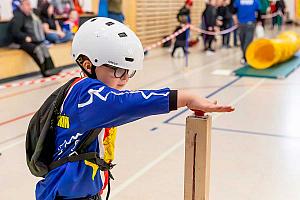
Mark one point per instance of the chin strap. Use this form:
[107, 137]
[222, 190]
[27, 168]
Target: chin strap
[93, 70]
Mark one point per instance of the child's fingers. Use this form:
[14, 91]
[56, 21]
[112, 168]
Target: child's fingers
[217, 108]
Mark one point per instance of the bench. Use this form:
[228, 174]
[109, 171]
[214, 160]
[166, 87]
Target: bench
[16, 62]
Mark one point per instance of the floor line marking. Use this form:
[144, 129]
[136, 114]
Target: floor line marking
[142, 171]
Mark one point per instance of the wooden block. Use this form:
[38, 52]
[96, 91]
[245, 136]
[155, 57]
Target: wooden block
[197, 158]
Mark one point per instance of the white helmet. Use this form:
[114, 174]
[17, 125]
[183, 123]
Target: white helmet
[107, 41]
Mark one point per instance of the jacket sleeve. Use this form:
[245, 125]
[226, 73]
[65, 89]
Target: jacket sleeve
[101, 106]
[16, 28]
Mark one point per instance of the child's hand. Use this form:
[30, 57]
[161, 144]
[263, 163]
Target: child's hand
[207, 106]
[195, 102]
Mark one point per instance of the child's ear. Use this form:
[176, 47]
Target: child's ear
[87, 65]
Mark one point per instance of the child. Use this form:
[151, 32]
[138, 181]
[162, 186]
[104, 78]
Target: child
[53, 31]
[224, 13]
[210, 17]
[72, 24]
[109, 54]
[180, 41]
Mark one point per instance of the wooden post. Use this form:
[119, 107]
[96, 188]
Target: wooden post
[197, 157]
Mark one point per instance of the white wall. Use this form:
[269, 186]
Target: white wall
[86, 5]
[291, 7]
[5, 10]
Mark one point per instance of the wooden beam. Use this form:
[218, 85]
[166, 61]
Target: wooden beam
[95, 6]
[197, 158]
[129, 10]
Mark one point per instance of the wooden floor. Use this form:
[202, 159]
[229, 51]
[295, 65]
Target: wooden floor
[255, 150]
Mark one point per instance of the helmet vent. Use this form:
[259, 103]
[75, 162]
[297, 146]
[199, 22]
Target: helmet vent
[94, 19]
[129, 59]
[123, 34]
[109, 23]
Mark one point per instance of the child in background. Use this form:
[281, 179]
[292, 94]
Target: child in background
[72, 24]
[225, 15]
[180, 41]
[210, 17]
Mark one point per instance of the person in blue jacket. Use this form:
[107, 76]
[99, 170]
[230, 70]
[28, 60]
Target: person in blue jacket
[109, 54]
[245, 16]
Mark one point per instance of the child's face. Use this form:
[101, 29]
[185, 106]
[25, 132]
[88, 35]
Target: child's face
[50, 10]
[212, 2]
[107, 76]
[73, 16]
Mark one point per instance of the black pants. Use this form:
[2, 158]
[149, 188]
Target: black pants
[40, 55]
[246, 36]
[225, 36]
[96, 197]
[179, 44]
[208, 41]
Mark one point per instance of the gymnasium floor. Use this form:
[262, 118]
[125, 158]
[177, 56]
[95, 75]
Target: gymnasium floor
[255, 150]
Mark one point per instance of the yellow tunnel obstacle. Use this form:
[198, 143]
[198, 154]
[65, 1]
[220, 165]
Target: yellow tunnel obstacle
[264, 53]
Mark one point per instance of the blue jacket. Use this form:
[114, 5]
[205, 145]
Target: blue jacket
[91, 104]
[246, 10]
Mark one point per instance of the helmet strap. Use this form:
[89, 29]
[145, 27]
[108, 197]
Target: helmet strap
[93, 70]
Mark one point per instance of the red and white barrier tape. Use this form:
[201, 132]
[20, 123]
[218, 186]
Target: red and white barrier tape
[74, 72]
[41, 80]
[170, 37]
[214, 32]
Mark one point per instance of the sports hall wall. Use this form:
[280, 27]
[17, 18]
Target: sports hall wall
[152, 20]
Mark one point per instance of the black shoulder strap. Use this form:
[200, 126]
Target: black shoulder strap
[93, 134]
[63, 93]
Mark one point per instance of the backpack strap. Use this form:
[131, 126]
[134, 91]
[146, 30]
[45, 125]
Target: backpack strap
[72, 158]
[81, 154]
[92, 135]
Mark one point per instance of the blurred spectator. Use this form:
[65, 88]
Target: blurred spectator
[223, 12]
[27, 30]
[231, 23]
[41, 3]
[180, 41]
[51, 26]
[115, 10]
[185, 11]
[72, 24]
[15, 5]
[209, 17]
[62, 7]
[77, 7]
[245, 16]
[264, 5]
[278, 6]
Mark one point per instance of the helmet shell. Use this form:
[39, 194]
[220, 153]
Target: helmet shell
[107, 41]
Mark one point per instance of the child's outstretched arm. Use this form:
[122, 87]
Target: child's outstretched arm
[195, 102]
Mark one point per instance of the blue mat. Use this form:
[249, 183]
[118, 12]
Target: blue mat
[278, 71]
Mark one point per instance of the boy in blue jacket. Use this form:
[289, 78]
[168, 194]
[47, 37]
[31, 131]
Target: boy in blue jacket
[109, 54]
